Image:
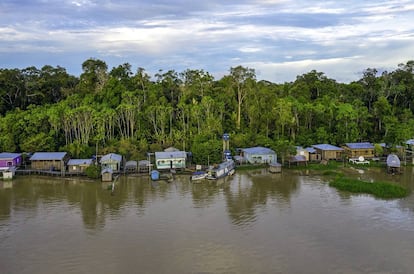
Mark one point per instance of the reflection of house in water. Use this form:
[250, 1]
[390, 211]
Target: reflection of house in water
[250, 192]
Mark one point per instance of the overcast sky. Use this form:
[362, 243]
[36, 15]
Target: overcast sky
[279, 39]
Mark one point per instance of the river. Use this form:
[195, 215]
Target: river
[252, 222]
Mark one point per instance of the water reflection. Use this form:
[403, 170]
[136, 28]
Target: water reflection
[253, 191]
[251, 222]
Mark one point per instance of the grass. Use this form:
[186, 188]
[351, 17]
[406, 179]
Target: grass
[331, 165]
[250, 167]
[379, 189]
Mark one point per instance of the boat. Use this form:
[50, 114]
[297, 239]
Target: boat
[198, 175]
[224, 169]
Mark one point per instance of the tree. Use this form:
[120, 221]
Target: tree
[243, 80]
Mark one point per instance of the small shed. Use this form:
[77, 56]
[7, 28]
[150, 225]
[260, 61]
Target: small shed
[356, 150]
[106, 174]
[112, 161]
[393, 164]
[259, 155]
[79, 165]
[170, 159]
[49, 160]
[10, 160]
[328, 152]
[131, 166]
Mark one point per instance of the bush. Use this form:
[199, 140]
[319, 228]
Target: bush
[93, 171]
[378, 189]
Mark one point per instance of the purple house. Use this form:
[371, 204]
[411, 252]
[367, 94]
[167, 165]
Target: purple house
[8, 160]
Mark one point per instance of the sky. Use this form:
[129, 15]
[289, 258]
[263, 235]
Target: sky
[279, 39]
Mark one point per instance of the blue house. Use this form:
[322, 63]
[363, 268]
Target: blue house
[259, 155]
[170, 159]
[112, 161]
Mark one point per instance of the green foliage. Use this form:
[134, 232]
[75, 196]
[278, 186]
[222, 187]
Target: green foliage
[378, 189]
[207, 151]
[48, 109]
[93, 171]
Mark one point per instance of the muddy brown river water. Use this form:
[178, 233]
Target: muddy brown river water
[252, 222]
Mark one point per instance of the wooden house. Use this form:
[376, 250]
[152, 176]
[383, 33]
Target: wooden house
[313, 155]
[300, 151]
[112, 161]
[170, 160]
[10, 160]
[328, 152]
[78, 165]
[356, 150]
[49, 161]
[259, 155]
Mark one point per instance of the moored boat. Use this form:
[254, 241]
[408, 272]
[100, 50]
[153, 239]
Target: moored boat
[227, 168]
[198, 175]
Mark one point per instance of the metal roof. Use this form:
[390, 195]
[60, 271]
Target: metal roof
[410, 142]
[393, 161]
[76, 162]
[327, 147]
[48, 156]
[170, 155]
[9, 155]
[363, 145]
[107, 170]
[311, 150]
[110, 157]
[258, 150]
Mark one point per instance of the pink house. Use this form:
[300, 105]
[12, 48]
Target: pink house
[8, 160]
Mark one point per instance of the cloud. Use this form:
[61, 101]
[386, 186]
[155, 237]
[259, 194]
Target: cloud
[293, 36]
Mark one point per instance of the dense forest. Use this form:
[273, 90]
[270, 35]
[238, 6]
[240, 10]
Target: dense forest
[132, 113]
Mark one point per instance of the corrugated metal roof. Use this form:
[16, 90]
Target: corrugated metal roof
[107, 170]
[297, 158]
[9, 155]
[111, 156]
[393, 161]
[363, 145]
[311, 150]
[258, 150]
[170, 155]
[410, 142]
[76, 162]
[48, 156]
[327, 147]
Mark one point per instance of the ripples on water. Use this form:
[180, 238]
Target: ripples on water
[249, 223]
